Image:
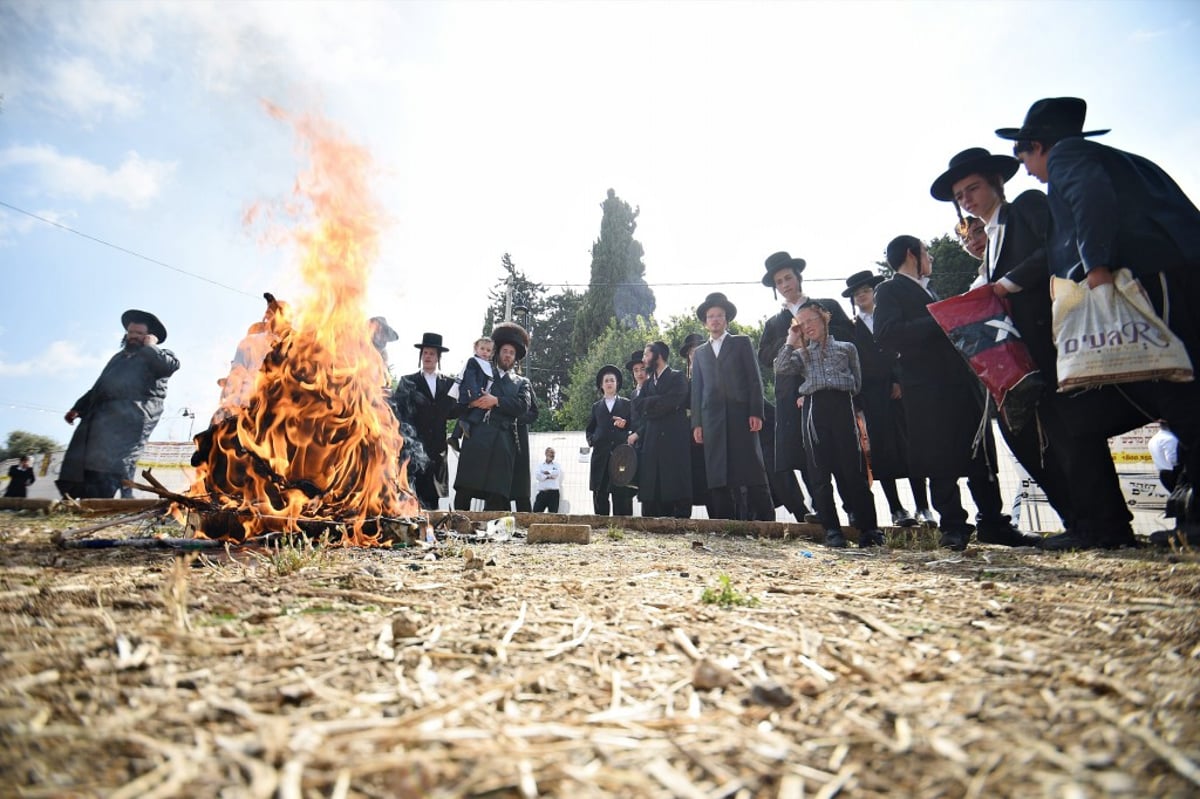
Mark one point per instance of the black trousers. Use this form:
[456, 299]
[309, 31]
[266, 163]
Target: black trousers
[832, 444]
[724, 503]
[984, 488]
[622, 501]
[546, 501]
[1047, 467]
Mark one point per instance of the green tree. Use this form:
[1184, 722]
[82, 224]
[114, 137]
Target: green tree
[21, 443]
[613, 346]
[617, 287]
[525, 293]
[953, 267]
[549, 363]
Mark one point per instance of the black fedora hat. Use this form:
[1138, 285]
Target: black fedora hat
[715, 300]
[430, 340]
[777, 261]
[860, 279]
[972, 161]
[608, 369]
[691, 342]
[511, 333]
[1052, 118]
[134, 316]
[634, 359]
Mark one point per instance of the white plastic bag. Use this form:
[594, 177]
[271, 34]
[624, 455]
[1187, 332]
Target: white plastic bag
[1111, 334]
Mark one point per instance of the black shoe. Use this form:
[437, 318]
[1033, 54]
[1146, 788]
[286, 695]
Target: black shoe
[1177, 537]
[955, 539]
[925, 517]
[870, 538]
[834, 538]
[902, 518]
[1083, 539]
[1006, 535]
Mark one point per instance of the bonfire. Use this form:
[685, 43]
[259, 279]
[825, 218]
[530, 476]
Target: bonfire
[305, 438]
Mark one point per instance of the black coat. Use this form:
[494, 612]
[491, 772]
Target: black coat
[726, 392]
[664, 468]
[488, 459]
[886, 427]
[431, 411]
[603, 438]
[789, 447]
[521, 487]
[943, 400]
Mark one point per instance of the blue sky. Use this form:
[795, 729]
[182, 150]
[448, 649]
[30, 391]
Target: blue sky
[738, 128]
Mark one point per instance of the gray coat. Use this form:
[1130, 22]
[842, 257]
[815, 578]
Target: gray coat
[119, 413]
[726, 392]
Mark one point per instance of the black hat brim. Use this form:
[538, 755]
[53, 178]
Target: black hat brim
[873, 282]
[134, 316]
[1003, 165]
[609, 369]
[730, 309]
[797, 264]
[1016, 134]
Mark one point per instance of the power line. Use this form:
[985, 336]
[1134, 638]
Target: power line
[125, 250]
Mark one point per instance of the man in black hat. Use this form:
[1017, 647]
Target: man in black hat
[488, 460]
[1112, 210]
[784, 277]
[943, 404]
[432, 407]
[119, 413]
[1014, 263]
[664, 479]
[608, 427]
[727, 413]
[880, 400]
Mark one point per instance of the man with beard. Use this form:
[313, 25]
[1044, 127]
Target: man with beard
[487, 463]
[432, 407]
[727, 413]
[664, 476]
[1112, 210]
[784, 278]
[119, 412]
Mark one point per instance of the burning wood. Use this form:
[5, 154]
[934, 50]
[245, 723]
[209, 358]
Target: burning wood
[309, 438]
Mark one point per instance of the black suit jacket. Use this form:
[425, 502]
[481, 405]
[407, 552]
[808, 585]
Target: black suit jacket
[1022, 259]
[430, 411]
[1116, 209]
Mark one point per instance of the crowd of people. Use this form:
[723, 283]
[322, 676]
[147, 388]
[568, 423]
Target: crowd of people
[881, 395]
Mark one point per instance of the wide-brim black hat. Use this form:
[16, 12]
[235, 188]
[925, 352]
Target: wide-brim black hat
[389, 335]
[690, 343]
[1052, 118]
[511, 333]
[777, 261]
[716, 299]
[134, 316]
[973, 161]
[635, 359]
[606, 369]
[622, 465]
[430, 340]
[860, 279]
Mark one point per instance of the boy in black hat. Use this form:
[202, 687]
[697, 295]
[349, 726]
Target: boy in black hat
[608, 427]
[432, 408]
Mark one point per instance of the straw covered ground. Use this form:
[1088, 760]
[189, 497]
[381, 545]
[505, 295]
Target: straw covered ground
[641, 665]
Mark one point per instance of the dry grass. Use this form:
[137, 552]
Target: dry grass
[598, 670]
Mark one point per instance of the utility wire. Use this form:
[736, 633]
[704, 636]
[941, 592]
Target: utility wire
[125, 250]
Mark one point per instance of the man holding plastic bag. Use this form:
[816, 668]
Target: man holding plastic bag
[1113, 211]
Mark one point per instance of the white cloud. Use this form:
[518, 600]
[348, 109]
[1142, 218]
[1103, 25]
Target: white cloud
[60, 358]
[78, 86]
[135, 182]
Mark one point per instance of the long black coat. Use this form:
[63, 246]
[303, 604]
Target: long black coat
[487, 462]
[521, 487]
[430, 413]
[118, 414]
[726, 392]
[664, 469]
[603, 438]
[886, 426]
[789, 446]
[943, 400]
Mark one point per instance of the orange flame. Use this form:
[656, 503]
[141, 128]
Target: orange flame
[309, 435]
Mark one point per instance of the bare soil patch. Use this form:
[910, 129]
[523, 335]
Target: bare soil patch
[595, 670]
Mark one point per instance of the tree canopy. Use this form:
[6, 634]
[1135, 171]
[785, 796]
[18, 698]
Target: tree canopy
[954, 269]
[617, 287]
[22, 443]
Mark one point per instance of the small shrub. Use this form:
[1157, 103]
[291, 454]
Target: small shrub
[727, 596]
